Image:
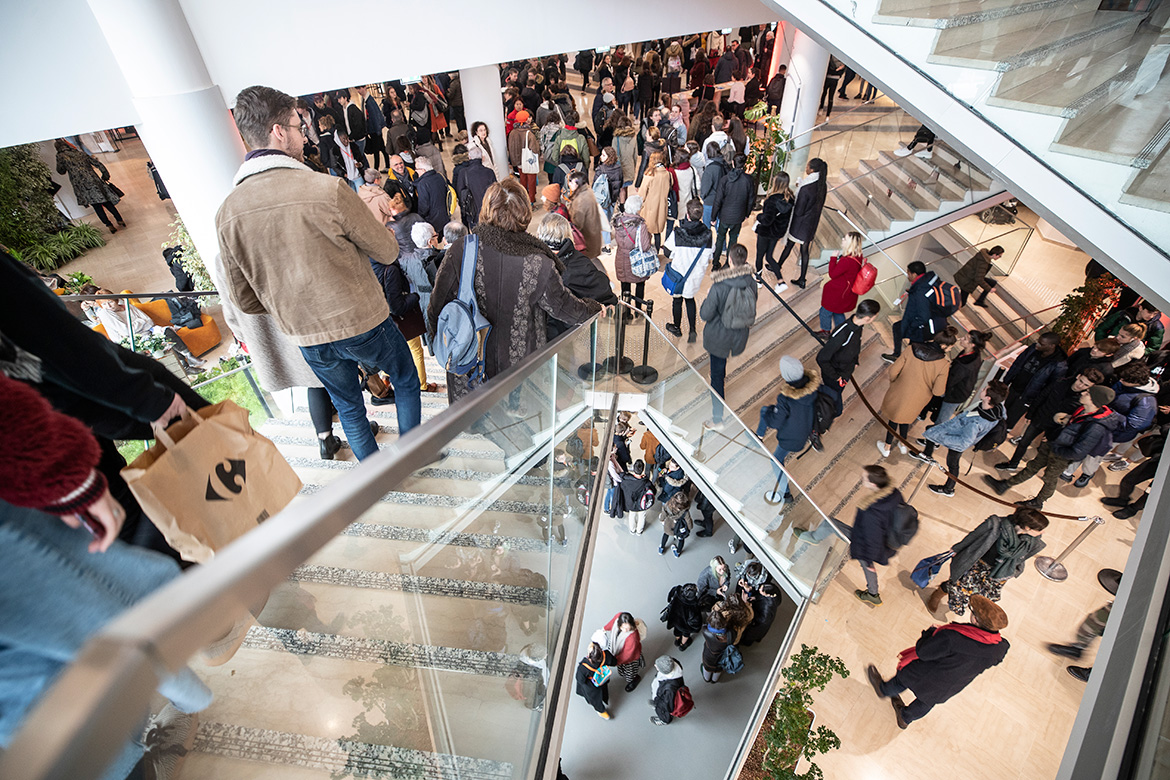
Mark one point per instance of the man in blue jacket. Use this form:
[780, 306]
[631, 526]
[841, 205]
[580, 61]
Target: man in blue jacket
[791, 415]
[962, 432]
[915, 320]
[1136, 401]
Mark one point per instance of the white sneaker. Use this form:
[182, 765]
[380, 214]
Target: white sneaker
[884, 449]
[712, 425]
[925, 154]
[902, 448]
[733, 545]
[168, 738]
[780, 287]
[902, 151]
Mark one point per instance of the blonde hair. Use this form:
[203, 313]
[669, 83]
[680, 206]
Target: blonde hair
[1135, 330]
[781, 185]
[553, 229]
[851, 246]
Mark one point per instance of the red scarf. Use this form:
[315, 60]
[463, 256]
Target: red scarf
[968, 630]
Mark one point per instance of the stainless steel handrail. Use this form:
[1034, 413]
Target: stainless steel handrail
[815, 127]
[117, 671]
[119, 296]
[968, 246]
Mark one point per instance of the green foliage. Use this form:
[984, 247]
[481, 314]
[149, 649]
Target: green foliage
[190, 260]
[1081, 309]
[75, 281]
[28, 215]
[790, 738]
[768, 151]
[42, 257]
[224, 365]
[90, 236]
[66, 245]
[146, 345]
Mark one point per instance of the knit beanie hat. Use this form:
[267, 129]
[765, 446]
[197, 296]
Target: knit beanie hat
[1101, 395]
[664, 664]
[790, 369]
[522, 116]
[551, 193]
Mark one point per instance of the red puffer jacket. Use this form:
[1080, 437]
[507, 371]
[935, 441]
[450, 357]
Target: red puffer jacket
[837, 295]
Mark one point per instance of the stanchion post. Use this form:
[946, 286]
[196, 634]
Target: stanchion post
[773, 496]
[644, 374]
[921, 482]
[1051, 568]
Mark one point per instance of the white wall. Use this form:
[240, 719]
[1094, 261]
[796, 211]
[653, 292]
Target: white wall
[58, 68]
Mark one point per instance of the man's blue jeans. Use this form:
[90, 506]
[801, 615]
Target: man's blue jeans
[336, 364]
[707, 209]
[56, 596]
[827, 317]
[781, 455]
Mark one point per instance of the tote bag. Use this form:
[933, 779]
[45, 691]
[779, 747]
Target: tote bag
[529, 161]
[209, 479]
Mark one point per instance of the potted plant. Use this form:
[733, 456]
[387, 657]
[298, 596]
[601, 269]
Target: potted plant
[1080, 309]
[791, 736]
[768, 149]
[150, 344]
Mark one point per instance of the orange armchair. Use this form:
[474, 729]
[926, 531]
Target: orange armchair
[199, 340]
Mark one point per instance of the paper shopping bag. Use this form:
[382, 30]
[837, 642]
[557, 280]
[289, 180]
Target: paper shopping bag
[209, 479]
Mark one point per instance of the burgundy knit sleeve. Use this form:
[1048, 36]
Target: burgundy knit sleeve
[47, 459]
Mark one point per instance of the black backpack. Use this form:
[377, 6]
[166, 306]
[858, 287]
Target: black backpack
[902, 527]
[824, 412]
[993, 438]
[184, 313]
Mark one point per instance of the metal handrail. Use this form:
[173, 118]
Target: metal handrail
[117, 296]
[118, 669]
[966, 247]
[835, 133]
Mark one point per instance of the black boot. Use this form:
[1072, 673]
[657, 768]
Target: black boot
[328, 446]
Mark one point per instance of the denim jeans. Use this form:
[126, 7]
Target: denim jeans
[56, 596]
[831, 317]
[781, 455]
[707, 209]
[725, 235]
[336, 364]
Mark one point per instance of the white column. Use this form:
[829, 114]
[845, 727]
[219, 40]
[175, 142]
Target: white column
[802, 94]
[483, 102]
[185, 124]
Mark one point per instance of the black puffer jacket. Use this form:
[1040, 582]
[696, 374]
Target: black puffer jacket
[582, 277]
[735, 198]
[773, 220]
[840, 354]
[682, 613]
[961, 377]
[764, 614]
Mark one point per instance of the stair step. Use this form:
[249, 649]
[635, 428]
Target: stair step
[862, 207]
[926, 176]
[432, 586]
[886, 198]
[954, 13]
[902, 185]
[953, 165]
[1150, 188]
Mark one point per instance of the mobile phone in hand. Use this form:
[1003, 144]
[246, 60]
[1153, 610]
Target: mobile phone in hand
[91, 524]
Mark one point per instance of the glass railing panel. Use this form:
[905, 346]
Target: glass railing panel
[1085, 87]
[732, 461]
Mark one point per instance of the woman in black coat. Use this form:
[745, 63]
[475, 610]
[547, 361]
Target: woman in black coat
[767, 600]
[683, 614]
[806, 217]
[772, 224]
[963, 372]
[716, 637]
[582, 276]
[597, 696]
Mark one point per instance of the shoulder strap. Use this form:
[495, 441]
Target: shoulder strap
[467, 270]
[694, 265]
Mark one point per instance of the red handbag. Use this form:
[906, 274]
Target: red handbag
[865, 279]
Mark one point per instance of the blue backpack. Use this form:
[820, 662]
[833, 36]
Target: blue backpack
[458, 345]
[731, 661]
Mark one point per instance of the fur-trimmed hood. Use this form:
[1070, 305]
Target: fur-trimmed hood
[627, 131]
[872, 498]
[812, 381]
[693, 234]
[730, 272]
[267, 162]
[461, 157]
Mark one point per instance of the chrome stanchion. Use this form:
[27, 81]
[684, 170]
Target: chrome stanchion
[774, 497]
[1051, 568]
[921, 482]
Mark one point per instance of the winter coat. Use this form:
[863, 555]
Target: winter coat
[973, 272]
[632, 487]
[522, 135]
[837, 295]
[404, 304]
[714, 643]
[517, 286]
[677, 523]
[585, 214]
[432, 200]
[1060, 398]
[583, 277]
[764, 614]
[686, 187]
[1031, 372]
[718, 339]
[806, 214]
[689, 245]
[871, 525]
[485, 148]
[1138, 405]
[296, 244]
[962, 431]
[792, 414]
[734, 199]
[840, 355]
[713, 173]
[626, 646]
[726, 66]
[916, 314]
[919, 374]
[682, 613]
[961, 377]
[625, 143]
[584, 678]
[774, 217]
[377, 201]
[625, 230]
[472, 187]
[1083, 358]
[982, 540]
[672, 482]
[1084, 434]
[402, 225]
[407, 185]
[948, 660]
[88, 187]
[663, 690]
[655, 189]
[613, 180]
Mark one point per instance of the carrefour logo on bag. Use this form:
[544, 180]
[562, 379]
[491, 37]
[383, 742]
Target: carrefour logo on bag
[230, 477]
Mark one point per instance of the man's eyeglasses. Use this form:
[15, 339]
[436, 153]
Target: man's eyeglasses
[300, 127]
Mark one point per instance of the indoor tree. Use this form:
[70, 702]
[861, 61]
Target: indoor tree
[768, 150]
[790, 737]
